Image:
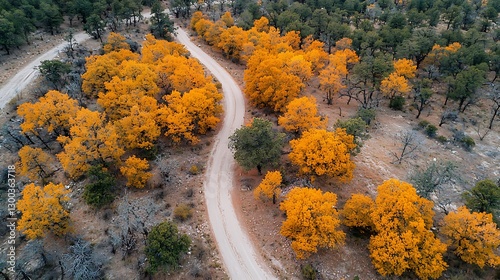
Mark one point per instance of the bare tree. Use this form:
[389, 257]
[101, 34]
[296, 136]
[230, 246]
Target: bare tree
[448, 116]
[134, 216]
[409, 144]
[494, 95]
[81, 263]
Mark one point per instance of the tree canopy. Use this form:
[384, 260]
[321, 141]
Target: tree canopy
[257, 145]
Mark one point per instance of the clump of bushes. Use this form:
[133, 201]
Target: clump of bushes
[367, 115]
[397, 103]
[466, 141]
[429, 129]
[442, 139]
[99, 193]
[183, 212]
[195, 169]
[308, 272]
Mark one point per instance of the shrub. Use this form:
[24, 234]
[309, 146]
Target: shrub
[423, 124]
[99, 192]
[194, 170]
[367, 115]
[183, 212]
[397, 103]
[442, 139]
[468, 143]
[431, 130]
[308, 272]
[165, 246]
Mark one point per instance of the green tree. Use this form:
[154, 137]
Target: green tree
[161, 26]
[50, 16]
[433, 177]
[8, 36]
[95, 26]
[54, 71]
[164, 247]
[257, 145]
[99, 192]
[484, 197]
[466, 85]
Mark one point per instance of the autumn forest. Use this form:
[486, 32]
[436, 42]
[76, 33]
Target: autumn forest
[373, 123]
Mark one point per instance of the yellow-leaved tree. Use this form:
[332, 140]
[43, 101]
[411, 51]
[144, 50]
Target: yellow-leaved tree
[269, 187]
[194, 112]
[474, 237]
[140, 128]
[403, 220]
[52, 112]
[135, 170]
[302, 114]
[311, 221]
[115, 42]
[43, 211]
[268, 82]
[154, 50]
[405, 67]
[394, 85]
[101, 69]
[357, 212]
[331, 78]
[320, 152]
[35, 164]
[92, 140]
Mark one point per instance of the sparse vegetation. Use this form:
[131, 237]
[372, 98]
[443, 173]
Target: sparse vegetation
[183, 212]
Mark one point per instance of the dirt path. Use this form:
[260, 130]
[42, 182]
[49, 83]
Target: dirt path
[28, 74]
[240, 258]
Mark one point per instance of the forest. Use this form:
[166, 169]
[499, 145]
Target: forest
[111, 134]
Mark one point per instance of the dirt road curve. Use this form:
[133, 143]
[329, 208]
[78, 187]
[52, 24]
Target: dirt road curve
[240, 258]
[29, 73]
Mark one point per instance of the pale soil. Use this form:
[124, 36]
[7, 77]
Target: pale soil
[96, 225]
[373, 166]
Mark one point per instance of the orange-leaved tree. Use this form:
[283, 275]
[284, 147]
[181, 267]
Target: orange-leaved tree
[268, 82]
[43, 210]
[269, 187]
[154, 50]
[191, 113]
[140, 129]
[52, 112]
[405, 67]
[394, 85]
[115, 42]
[231, 41]
[101, 69]
[135, 170]
[180, 73]
[302, 114]
[474, 237]
[331, 78]
[91, 140]
[403, 220]
[35, 164]
[320, 152]
[311, 221]
[357, 212]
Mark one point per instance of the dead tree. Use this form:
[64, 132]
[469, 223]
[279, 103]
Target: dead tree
[81, 263]
[494, 96]
[409, 145]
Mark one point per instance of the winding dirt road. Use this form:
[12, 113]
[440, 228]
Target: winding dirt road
[28, 74]
[238, 253]
[240, 257]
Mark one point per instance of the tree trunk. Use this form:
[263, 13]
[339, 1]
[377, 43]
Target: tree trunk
[495, 112]
[259, 168]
